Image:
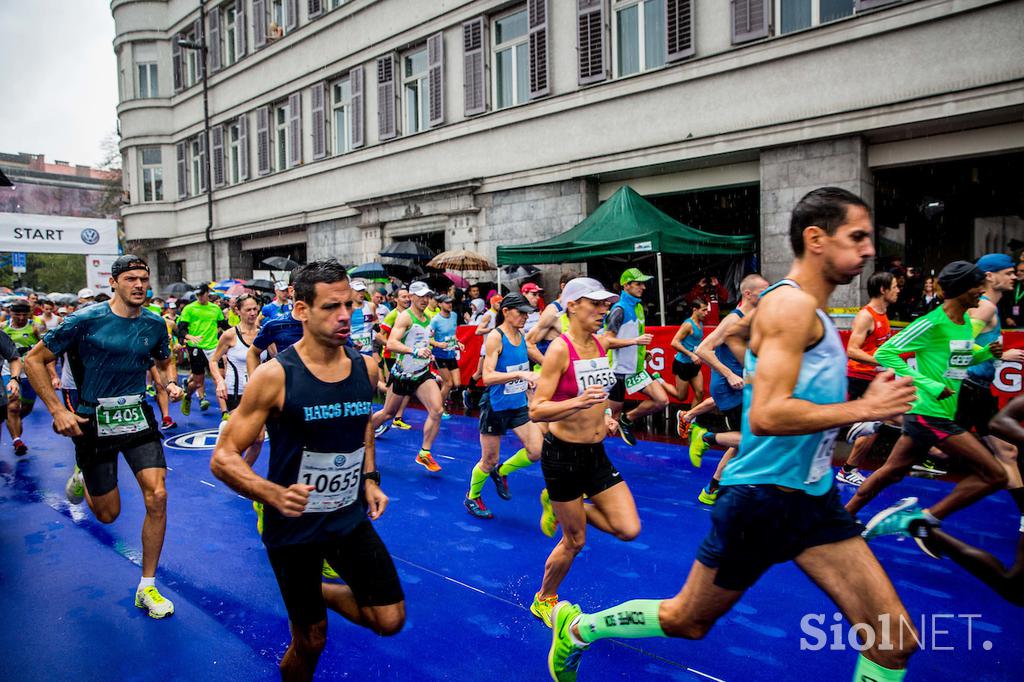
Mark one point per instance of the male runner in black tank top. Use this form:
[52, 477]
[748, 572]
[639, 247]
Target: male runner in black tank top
[315, 399]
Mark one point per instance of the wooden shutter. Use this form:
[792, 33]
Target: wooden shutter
[316, 8]
[240, 29]
[263, 140]
[179, 151]
[259, 26]
[474, 67]
[590, 41]
[295, 128]
[217, 155]
[213, 39]
[291, 16]
[318, 109]
[435, 78]
[203, 179]
[243, 147]
[537, 20]
[176, 63]
[679, 29]
[869, 4]
[749, 19]
[355, 81]
[387, 125]
[197, 32]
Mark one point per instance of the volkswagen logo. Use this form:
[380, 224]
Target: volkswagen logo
[204, 439]
[90, 236]
[339, 461]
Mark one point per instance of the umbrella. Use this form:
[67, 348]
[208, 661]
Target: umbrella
[235, 290]
[186, 297]
[178, 288]
[408, 251]
[368, 271]
[226, 284]
[24, 291]
[518, 273]
[258, 284]
[460, 260]
[280, 263]
[458, 280]
[437, 280]
[402, 270]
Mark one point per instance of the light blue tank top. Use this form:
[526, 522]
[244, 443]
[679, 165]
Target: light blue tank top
[984, 373]
[444, 332]
[510, 396]
[726, 397]
[691, 342]
[801, 462]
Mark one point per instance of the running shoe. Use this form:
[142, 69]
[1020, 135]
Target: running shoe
[851, 477]
[682, 426]
[399, 424]
[708, 496]
[542, 607]
[564, 655]
[477, 508]
[861, 429]
[155, 604]
[329, 572]
[893, 521]
[445, 416]
[626, 430]
[425, 459]
[258, 508]
[501, 483]
[186, 405]
[204, 404]
[467, 399]
[75, 487]
[224, 416]
[20, 448]
[927, 466]
[151, 390]
[548, 520]
[697, 445]
[382, 429]
[168, 424]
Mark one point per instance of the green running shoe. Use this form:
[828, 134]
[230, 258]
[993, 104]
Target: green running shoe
[258, 508]
[186, 405]
[895, 520]
[329, 572]
[708, 496]
[151, 390]
[697, 445]
[542, 607]
[204, 404]
[548, 520]
[564, 655]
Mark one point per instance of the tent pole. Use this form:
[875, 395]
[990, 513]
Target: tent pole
[661, 290]
[499, 280]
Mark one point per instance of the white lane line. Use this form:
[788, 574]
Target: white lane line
[697, 672]
[445, 457]
[207, 483]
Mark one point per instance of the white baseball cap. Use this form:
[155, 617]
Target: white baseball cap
[281, 286]
[86, 293]
[359, 285]
[420, 289]
[587, 287]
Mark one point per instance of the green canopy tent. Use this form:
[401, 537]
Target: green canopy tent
[626, 224]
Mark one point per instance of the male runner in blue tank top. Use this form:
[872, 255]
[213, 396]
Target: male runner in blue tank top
[322, 481]
[778, 500]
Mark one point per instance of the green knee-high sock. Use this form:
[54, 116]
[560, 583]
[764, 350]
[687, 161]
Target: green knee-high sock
[629, 620]
[869, 671]
[518, 461]
[476, 482]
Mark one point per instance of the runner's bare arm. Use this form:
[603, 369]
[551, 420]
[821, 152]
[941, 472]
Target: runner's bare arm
[64, 421]
[484, 324]
[227, 340]
[395, 344]
[681, 333]
[705, 350]
[1006, 424]
[252, 359]
[376, 500]
[862, 325]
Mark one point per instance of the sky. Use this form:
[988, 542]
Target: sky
[58, 78]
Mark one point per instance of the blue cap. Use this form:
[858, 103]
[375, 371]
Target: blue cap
[994, 262]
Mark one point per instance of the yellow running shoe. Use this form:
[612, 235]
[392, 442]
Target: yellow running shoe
[399, 424]
[548, 520]
[542, 607]
[426, 460]
[258, 508]
[329, 572]
[155, 604]
[697, 444]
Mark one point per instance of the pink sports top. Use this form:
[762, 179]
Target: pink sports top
[583, 373]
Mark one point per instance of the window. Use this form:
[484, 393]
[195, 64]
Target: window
[229, 53]
[234, 154]
[193, 65]
[416, 89]
[793, 15]
[147, 83]
[152, 174]
[277, 19]
[196, 166]
[511, 60]
[639, 33]
[281, 141]
[335, 4]
[341, 113]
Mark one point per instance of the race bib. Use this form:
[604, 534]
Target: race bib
[821, 463]
[120, 416]
[593, 372]
[638, 382]
[960, 356]
[334, 477]
[517, 386]
[362, 340]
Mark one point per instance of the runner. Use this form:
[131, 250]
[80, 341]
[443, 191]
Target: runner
[315, 400]
[532, 294]
[411, 375]
[49, 317]
[779, 502]
[110, 347]
[943, 344]
[233, 349]
[25, 332]
[572, 394]
[507, 376]
[446, 348]
[686, 365]
[869, 331]
[281, 306]
[364, 315]
[402, 302]
[9, 353]
[551, 324]
[484, 325]
[198, 326]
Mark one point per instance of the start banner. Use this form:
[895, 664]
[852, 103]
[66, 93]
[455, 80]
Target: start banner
[30, 233]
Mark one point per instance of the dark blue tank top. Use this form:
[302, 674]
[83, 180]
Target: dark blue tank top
[726, 397]
[319, 437]
[510, 396]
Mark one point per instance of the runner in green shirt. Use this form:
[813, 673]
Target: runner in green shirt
[198, 326]
[942, 343]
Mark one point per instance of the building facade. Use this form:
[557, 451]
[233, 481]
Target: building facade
[58, 188]
[337, 127]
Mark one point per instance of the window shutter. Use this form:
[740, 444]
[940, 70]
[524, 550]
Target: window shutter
[197, 31]
[387, 126]
[435, 71]
[316, 8]
[355, 81]
[291, 19]
[263, 140]
[537, 20]
[217, 151]
[176, 62]
[295, 128]
[316, 99]
[869, 4]
[679, 29]
[259, 27]
[240, 28]
[203, 179]
[213, 39]
[590, 39]
[243, 147]
[749, 19]
[179, 150]
[474, 73]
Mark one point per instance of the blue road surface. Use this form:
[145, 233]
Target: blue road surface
[67, 582]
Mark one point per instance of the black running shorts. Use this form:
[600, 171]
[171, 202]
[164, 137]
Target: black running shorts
[97, 457]
[408, 386]
[199, 360]
[500, 422]
[572, 470]
[975, 408]
[233, 401]
[446, 363]
[685, 370]
[926, 432]
[855, 387]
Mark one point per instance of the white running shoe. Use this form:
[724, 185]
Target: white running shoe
[861, 429]
[75, 487]
[853, 477]
[156, 605]
[928, 466]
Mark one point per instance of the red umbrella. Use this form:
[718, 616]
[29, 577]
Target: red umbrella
[458, 280]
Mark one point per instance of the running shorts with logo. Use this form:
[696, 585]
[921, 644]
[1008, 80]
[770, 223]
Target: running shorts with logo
[199, 359]
[572, 470]
[96, 455]
[927, 432]
[499, 422]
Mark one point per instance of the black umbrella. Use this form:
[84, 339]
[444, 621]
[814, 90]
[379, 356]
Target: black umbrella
[177, 289]
[436, 279]
[258, 284]
[280, 263]
[186, 297]
[518, 273]
[408, 251]
[368, 271]
[406, 272]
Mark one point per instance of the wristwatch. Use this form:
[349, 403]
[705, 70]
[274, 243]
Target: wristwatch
[372, 476]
